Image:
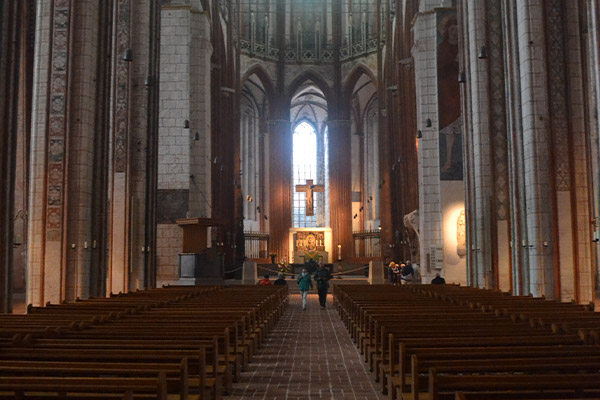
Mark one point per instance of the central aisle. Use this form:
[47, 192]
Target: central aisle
[309, 355]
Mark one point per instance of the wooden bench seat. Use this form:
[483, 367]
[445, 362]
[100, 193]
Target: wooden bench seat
[74, 387]
[564, 365]
[444, 386]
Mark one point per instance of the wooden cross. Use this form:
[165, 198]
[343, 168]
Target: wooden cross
[309, 188]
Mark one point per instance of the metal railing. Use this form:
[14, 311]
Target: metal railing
[256, 245]
[367, 244]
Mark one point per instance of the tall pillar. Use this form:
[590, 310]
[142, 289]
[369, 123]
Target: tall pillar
[91, 136]
[185, 162]
[430, 215]
[440, 145]
[50, 128]
[280, 185]
[340, 185]
[593, 73]
[537, 165]
[134, 114]
[480, 175]
[9, 32]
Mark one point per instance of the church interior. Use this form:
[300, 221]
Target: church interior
[159, 156]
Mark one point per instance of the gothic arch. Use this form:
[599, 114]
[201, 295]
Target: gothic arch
[264, 78]
[309, 76]
[351, 81]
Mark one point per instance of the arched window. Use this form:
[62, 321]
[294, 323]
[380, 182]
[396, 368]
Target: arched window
[304, 168]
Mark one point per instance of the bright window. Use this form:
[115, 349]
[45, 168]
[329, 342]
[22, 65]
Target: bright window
[304, 168]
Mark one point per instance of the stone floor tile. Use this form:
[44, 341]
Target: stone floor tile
[309, 355]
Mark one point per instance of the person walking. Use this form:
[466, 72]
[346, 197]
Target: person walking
[304, 284]
[322, 277]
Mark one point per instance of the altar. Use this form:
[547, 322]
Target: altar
[310, 243]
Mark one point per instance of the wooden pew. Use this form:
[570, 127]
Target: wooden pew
[84, 388]
[145, 331]
[444, 386]
[470, 330]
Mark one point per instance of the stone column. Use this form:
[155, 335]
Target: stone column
[537, 166]
[185, 163]
[481, 173]
[593, 51]
[430, 214]
[80, 123]
[9, 22]
[340, 185]
[280, 186]
[50, 122]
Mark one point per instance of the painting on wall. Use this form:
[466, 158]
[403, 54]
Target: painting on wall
[450, 121]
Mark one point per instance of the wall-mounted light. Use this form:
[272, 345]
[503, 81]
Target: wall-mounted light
[227, 90]
[355, 216]
[483, 53]
[196, 136]
[428, 123]
[128, 55]
[186, 124]
[148, 82]
[266, 217]
[462, 77]
[419, 134]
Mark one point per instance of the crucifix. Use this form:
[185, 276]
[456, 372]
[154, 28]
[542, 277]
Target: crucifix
[309, 188]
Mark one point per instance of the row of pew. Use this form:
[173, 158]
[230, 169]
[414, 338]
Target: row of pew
[170, 343]
[450, 342]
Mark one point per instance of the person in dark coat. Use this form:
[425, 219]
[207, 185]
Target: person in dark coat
[280, 280]
[322, 277]
[393, 272]
[438, 280]
[407, 273]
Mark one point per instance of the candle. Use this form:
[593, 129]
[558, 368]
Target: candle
[339, 251]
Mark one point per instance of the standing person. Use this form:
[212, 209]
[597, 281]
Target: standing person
[304, 284]
[322, 277]
[393, 272]
[265, 281]
[407, 274]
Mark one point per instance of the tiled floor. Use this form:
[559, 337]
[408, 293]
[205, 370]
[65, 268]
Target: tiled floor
[309, 355]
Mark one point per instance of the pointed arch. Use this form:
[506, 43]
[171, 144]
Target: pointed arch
[314, 77]
[354, 76]
[263, 76]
